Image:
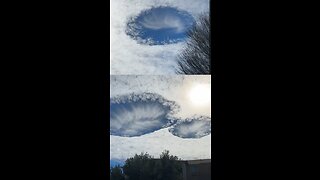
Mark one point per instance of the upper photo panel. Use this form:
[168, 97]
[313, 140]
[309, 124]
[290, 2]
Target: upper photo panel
[160, 37]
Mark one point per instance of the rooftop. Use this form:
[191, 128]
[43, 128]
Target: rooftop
[198, 161]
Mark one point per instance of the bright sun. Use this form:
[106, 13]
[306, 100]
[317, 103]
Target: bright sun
[200, 94]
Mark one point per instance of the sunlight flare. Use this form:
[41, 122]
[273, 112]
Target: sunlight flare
[200, 94]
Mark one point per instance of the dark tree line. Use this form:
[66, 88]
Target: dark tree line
[116, 173]
[195, 57]
[145, 167]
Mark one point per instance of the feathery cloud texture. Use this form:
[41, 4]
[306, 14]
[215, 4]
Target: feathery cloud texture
[195, 127]
[134, 115]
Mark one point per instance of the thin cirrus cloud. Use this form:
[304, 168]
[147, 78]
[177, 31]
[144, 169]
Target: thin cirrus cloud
[164, 18]
[131, 57]
[163, 23]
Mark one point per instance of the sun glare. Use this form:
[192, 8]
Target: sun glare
[200, 95]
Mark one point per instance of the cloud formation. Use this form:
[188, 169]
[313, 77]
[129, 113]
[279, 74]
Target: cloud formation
[126, 89]
[130, 57]
[162, 22]
[138, 114]
[154, 143]
[162, 18]
[160, 25]
[174, 88]
[195, 127]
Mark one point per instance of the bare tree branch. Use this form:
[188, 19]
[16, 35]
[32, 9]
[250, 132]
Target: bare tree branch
[195, 57]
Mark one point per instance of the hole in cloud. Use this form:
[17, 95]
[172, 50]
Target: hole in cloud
[195, 127]
[138, 114]
[160, 25]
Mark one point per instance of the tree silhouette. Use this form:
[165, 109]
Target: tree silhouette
[116, 173]
[168, 167]
[145, 167]
[195, 57]
[139, 167]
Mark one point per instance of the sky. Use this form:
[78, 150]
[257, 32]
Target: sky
[156, 113]
[160, 25]
[116, 162]
[147, 35]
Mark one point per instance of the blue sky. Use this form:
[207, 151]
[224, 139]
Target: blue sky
[154, 113]
[147, 35]
[116, 162]
[162, 25]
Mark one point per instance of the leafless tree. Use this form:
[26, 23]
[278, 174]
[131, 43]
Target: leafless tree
[195, 57]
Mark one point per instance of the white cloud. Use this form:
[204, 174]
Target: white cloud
[156, 142]
[172, 88]
[129, 57]
[135, 115]
[161, 21]
[195, 127]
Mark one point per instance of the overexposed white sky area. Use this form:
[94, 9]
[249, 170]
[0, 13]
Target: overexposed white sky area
[130, 57]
